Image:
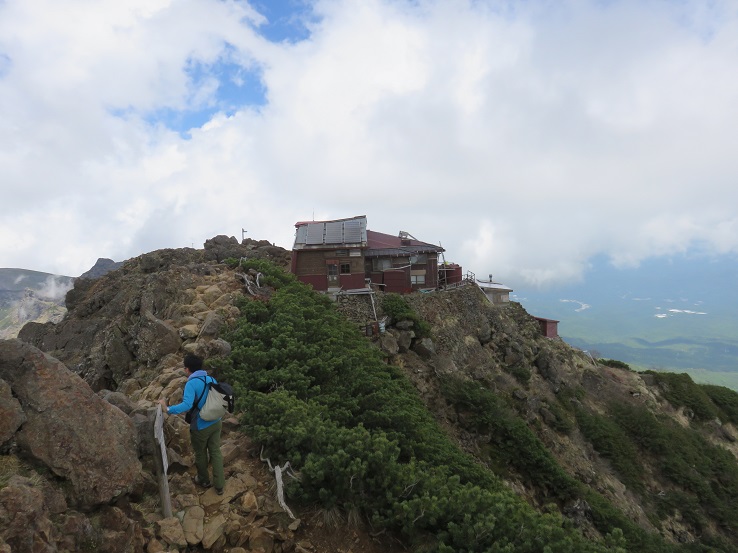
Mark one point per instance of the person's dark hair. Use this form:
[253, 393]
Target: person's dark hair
[193, 362]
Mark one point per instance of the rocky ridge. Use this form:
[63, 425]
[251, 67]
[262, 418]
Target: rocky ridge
[77, 470]
[119, 350]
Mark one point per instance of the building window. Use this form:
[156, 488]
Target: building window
[340, 253]
[381, 264]
[332, 270]
[417, 279]
[345, 268]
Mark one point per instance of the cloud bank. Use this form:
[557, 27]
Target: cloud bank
[526, 138]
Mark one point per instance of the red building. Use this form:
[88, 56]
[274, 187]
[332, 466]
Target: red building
[549, 327]
[344, 255]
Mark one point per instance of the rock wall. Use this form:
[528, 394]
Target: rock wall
[66, 427]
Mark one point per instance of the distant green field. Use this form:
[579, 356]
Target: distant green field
[675, 354]
[677, 313]
[701, 376]
[680, 343]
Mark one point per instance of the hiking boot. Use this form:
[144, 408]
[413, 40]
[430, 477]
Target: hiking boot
[219, 491]
[202, 483]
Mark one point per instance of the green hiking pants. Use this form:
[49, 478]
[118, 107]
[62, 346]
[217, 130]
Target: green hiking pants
[206, 444]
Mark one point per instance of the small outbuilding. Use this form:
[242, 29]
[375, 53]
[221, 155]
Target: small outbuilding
[497, 293]
[549, 327]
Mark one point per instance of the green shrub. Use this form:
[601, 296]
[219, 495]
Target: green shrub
[397, 308]
[521, 373]
[564, 422]
[726, 401]
[706, 474]
[681, 391]
[614, 363]
[315, 392]
[612, 442]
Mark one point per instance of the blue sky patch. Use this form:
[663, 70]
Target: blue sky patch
[287, 20]
[224, 87]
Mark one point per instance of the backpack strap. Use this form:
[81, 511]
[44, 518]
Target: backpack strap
[204, 389]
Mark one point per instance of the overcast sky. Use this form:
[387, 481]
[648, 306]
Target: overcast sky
[524, 137]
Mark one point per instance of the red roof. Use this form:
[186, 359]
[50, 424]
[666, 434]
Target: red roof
[379, 240]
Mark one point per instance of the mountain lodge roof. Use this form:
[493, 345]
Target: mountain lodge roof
[381, 245]
[351, 231]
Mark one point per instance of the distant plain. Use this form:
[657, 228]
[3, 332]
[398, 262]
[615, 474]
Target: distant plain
[678, 314]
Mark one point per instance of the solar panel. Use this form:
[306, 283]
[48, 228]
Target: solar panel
[301, 235]
[314, 233]
[334, 232]
[352, 231]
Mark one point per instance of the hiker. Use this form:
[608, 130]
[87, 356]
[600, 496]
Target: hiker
[204, 435]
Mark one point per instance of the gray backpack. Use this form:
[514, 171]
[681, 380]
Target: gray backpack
[219, 401]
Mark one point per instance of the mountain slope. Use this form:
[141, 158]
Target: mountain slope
[460, 428]
[30, 296]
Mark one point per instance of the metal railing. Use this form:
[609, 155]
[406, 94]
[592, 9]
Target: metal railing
[468, 278]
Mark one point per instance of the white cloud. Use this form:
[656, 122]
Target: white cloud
[525, 137]
[54, 289]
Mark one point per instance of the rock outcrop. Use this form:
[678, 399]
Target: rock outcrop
[68, 428]
[101, 267]
[156, 304]
[24, 517]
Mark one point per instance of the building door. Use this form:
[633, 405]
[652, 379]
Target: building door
[332, 274]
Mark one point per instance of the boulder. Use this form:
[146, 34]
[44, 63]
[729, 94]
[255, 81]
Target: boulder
[405, 340]
[188, 332]
[222, 247]
[249, 502]
[119, 400]
[212, 325]
[10, 413]
[217, 348]
[425, 348]
[69, 428]
[76, 532]
[119, 533]
[549, 367]
[262, 539]
[193, 524]
[170, 531]
[444, 365]
[485, 333]
[213, 530]
[24, 519]
[156, 339]
[388, 344]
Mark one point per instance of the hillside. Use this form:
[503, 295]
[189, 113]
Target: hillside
[460, 428]
[30, 296]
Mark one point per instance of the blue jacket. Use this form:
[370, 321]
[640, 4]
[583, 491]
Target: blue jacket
[193, 389]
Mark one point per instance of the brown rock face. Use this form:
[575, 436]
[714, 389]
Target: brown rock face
[71, 430]
[11, 413]
[24, 518]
